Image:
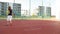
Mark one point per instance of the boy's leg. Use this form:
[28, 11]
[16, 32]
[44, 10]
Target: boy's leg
[11, 20]
[7, 19]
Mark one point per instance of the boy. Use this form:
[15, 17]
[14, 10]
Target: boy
[9, 15]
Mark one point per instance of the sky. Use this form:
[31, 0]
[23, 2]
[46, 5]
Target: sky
[34, 4]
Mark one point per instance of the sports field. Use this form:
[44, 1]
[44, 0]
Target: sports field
[30, 27]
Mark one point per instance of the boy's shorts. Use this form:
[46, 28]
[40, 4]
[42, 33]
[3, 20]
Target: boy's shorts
[9, 18]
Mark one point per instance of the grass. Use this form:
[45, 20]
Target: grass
[28, 18]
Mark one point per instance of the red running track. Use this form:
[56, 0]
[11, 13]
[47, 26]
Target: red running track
[30, 27]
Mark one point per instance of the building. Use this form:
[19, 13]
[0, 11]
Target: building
[48, 11]
[44, 11]
[3, 8]
[41, 11]
[16, 8]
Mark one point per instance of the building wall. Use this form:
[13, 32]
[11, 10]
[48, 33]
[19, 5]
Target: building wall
[48, 11]
[16, 8]
[44, 11]
[3, 8]
[41, 11]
